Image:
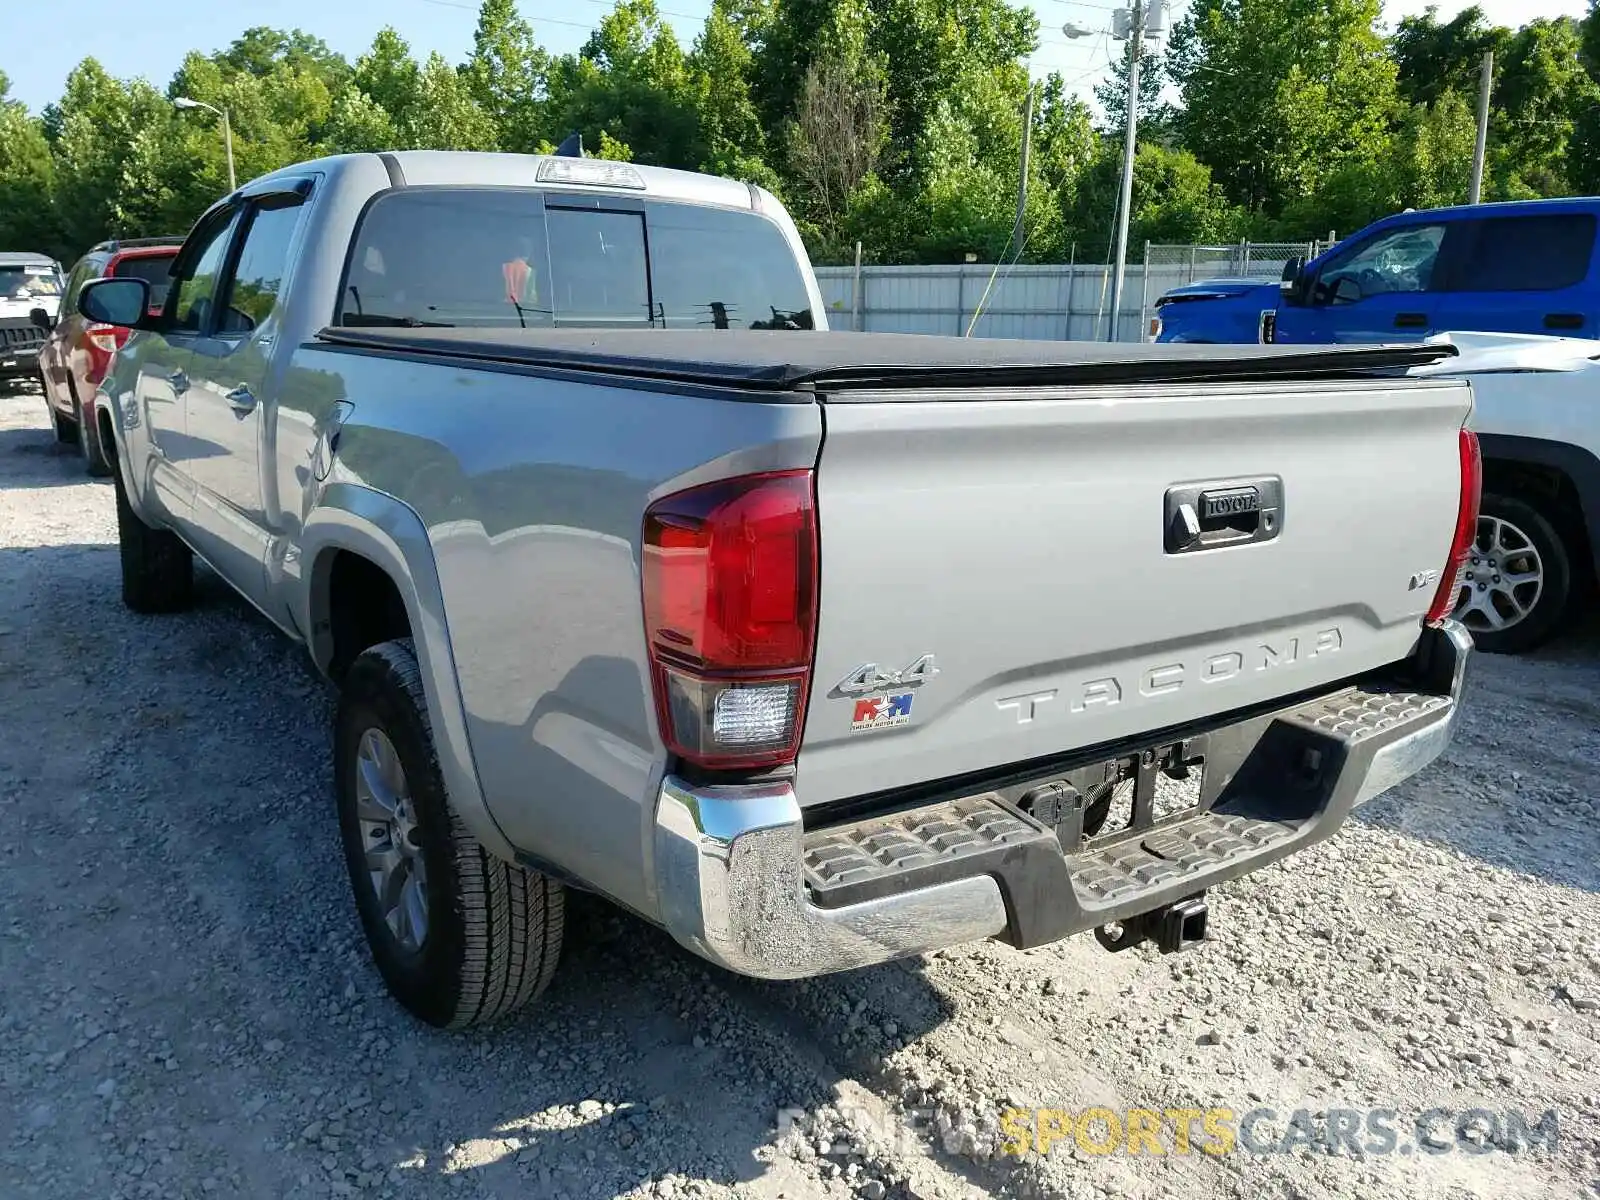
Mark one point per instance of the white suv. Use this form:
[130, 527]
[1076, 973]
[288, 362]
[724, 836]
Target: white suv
[1537, 416]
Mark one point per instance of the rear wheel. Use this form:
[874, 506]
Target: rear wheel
[460, 936]
[65, 428]
[94, 456]
[157, 568]
[1517, 583]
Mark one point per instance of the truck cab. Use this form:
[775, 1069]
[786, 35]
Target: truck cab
[1519, 267]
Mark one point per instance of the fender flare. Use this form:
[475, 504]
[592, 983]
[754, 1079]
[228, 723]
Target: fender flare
[390, 535]
[1576, 463]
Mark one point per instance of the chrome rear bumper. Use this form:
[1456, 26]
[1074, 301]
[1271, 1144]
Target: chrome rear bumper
[730, 861]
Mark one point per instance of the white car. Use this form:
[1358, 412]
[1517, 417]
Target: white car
[1537, 416]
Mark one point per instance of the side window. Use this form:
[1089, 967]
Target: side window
[194, 293]
[1527, 254]
[252, 293]
[597, 267]
[715, 269]
[1400, 260]
[75, 281]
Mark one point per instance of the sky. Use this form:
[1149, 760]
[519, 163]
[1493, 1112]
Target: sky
[39, 49]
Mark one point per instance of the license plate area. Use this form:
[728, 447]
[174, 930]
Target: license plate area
[1124, 797]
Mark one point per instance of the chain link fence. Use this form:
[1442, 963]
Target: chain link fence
[1170, 266]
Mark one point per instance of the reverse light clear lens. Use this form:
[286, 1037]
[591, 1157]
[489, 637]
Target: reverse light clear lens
[754, 716]
[731, 723]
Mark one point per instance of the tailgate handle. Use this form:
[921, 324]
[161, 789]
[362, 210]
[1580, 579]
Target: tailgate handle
[1223, 512]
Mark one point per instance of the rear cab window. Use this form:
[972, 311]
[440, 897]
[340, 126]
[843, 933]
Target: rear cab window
[509, 258]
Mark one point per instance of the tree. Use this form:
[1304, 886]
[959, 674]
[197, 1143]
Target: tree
[1432, 58]
[390, 77]
[506, 74]
[27, 216]
[1280, 94]
[837, 138]
[732, 141]
[445, 115]
[1154, 116]
[1541, 88]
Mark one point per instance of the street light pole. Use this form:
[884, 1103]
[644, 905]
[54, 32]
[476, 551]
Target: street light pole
[227, 141]
[227, 131]
[1129, 150]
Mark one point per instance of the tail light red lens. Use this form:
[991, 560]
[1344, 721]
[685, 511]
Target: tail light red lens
[1444, 600]
[729, 574]
[109, 338]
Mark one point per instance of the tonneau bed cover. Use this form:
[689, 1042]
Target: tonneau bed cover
[835, 361]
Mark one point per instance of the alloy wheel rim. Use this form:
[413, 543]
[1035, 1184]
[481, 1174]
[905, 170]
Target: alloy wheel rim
[391, 842]
[1502, 580]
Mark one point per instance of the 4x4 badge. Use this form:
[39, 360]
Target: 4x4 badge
[869, 678]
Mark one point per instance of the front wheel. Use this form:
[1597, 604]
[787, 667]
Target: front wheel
[460, 936]
[1517, 584]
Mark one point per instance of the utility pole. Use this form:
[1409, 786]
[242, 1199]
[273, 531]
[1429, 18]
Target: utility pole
[1129, 149]
[1485, 82]
[1022, 180]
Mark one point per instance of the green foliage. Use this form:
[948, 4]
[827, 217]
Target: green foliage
[892, 123]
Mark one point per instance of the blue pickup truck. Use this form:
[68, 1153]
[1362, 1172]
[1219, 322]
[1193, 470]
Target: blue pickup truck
[1520, 267]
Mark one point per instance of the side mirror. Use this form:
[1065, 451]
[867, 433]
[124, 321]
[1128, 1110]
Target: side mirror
[1293, 287]
[42, 320]
[124, 302]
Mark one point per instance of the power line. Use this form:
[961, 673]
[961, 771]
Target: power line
[538, 20]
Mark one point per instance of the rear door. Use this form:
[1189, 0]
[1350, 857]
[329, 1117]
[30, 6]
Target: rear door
[229, 389]
[999, 581]
[165, 359]
[55, 357]
[1381, 288]
[1524, 274]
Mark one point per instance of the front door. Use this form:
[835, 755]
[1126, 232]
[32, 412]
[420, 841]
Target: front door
[1380, 289]
[226, 404]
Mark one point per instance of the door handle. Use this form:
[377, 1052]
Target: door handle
[1411, 320]
[1563, 320]
[179, 381]
[242, 400]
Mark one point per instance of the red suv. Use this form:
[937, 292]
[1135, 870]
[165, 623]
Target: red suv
[77, 354]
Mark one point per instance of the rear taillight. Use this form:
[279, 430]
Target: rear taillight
[1444, 600]
[109, 338]
[729, 574]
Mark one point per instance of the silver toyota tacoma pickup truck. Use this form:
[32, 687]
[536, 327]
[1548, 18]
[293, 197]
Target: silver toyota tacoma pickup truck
[815, 649]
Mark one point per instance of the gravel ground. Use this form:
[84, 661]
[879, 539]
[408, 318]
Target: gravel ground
[186, 1007]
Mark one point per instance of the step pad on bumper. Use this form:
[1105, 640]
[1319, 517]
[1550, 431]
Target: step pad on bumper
[1366, 712]
[1171, 853]
[1292, 780]
[851, 863]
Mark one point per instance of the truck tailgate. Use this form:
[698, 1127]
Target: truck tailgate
[1011, 558]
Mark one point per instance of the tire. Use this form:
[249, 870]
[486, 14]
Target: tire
[491, 931]
[157, 568]
[1515, 541]
[94, 456]
[65, 428]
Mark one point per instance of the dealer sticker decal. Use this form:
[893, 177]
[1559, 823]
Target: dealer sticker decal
[881, 712]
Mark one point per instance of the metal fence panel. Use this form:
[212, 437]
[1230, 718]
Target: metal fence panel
[1036, 302]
